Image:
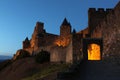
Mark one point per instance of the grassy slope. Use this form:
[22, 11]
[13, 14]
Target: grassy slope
[28, 69]
[48, 70]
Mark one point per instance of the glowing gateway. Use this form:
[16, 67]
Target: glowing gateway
[94, 52]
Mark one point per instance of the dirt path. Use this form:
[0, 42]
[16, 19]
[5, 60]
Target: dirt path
[98, 70]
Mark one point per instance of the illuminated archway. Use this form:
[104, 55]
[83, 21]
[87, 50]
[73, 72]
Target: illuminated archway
[94, 52]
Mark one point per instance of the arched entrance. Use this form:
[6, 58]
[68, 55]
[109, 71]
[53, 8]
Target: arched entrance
[94, 52]
[92, 48]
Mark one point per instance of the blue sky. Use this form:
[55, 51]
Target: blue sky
[18, 18]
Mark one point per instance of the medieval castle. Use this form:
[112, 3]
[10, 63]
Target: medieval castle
[70, 46]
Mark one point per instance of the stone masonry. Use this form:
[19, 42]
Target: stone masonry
[103, 24]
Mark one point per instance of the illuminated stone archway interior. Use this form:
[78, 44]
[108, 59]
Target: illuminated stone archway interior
[94, 52]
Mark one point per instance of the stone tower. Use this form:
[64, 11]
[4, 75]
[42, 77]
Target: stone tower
[38, 32]
[26, 43]
[95, 17]
[65, 28]
[65, 32]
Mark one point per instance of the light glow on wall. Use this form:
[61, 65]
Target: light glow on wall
[62, 42]
[94, 52]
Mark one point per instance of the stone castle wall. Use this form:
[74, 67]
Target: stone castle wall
[77, 46]
[62, 53]
[67, 47]
[59, 46]
[108, 29]
[95, 16]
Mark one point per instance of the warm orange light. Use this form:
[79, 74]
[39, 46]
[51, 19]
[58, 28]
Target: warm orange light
[94, 52]
[62, 42]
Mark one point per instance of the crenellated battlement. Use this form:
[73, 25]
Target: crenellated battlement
[91, 10]
[100, 10]
[96, 15]
[109, 10]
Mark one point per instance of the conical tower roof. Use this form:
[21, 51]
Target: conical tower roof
[26, 39]
[65, 22]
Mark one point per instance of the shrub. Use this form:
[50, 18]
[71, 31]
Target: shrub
[42, 57]
[23, 54]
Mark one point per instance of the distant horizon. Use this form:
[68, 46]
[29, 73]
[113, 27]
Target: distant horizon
[5, 54]
[18, 18]
[3, 57]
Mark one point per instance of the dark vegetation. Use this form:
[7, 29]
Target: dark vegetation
[42, 57]
[23, 54]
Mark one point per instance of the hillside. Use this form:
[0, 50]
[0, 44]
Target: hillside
[27, 68]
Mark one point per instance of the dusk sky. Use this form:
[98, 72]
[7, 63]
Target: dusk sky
[18, 18]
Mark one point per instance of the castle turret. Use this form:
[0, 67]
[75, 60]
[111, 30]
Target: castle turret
[95, 17]
[26, 43]
[65, 32]
[38, 31]
[65, 28]
[39, 28]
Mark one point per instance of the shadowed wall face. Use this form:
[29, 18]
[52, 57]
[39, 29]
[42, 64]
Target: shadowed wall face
[94, 52]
